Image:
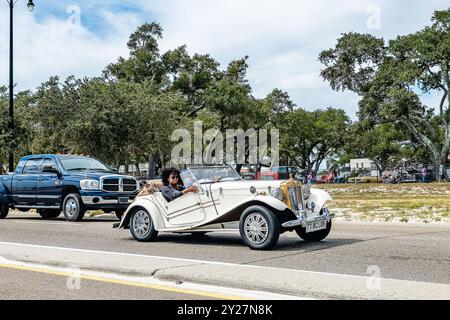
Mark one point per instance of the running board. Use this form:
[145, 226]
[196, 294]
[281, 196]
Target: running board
[37, 207]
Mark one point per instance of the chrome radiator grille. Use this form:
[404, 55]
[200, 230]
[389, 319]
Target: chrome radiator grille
[119, 184]
[295, 198]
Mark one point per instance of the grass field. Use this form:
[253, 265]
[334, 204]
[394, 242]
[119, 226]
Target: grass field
[415, 202]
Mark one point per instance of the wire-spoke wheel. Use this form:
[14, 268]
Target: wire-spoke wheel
[256, 228]
[141, 226]
[259, 228]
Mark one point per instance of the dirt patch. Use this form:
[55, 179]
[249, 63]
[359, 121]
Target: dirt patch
[426, 203]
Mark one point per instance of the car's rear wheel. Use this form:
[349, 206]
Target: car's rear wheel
[49, 213]
[142, 227]
[259, 228]
[4, 210]
[73, 207]
[314, 236]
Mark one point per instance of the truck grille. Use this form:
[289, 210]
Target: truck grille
[119, 185]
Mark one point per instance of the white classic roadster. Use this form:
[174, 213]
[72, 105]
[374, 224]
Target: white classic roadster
[264, 209]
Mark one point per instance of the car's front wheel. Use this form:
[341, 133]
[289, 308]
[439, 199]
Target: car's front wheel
[142, 227]
[259, 228]
[4, 209]
[73, 207]
[49, 213]
[314, 236]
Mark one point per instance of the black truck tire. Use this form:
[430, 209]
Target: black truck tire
[73, 207]
[4, 209]
[119, 213]
[49, 213]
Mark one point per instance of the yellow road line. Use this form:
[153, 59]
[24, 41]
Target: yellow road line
[126, 283]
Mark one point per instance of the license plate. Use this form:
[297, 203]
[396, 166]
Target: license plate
[123, 199]
[316, 226]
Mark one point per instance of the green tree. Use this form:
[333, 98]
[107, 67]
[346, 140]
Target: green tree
[389, 78]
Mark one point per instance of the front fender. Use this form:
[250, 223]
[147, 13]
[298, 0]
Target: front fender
[148, 204]
[319, 197]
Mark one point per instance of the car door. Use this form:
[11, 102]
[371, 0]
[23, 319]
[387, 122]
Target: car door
[48, 185]
[185, 211]
[25, 184]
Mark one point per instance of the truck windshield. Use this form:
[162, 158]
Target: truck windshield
[82, 163]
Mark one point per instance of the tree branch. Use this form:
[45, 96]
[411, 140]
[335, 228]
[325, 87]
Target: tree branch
[424, 139]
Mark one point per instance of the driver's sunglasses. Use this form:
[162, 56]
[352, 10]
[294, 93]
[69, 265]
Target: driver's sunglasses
[174, 177]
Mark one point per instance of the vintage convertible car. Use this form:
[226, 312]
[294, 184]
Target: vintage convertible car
[264, 209]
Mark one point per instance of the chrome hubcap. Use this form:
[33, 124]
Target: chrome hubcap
[141, 223]
[71, 207]
[256, 228]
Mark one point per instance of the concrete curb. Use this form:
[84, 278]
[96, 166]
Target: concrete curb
[282, 281]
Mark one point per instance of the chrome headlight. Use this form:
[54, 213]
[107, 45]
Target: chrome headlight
[306, 191]
[90, 184]
[277, 193]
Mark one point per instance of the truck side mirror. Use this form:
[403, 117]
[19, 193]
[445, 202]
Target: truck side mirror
[50, 169]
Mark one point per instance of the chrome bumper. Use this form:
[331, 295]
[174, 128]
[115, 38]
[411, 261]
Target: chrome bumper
[89, 200]
[301, 221]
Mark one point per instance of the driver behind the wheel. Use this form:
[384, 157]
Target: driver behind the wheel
[173, 185]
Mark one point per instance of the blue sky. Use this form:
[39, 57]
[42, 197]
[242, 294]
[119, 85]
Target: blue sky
[282, 37]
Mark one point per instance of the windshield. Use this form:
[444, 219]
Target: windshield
[82, 163]
[214, 174]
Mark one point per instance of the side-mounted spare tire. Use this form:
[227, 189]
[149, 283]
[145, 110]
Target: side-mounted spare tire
[259, 228]
[4, 210]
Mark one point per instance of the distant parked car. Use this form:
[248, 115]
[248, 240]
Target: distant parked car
[326, 178]
[278, 173]
[342, 177]
[364, 177]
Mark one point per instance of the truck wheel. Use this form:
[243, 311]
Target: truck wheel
[73, 207]
[259, 228]
[4, 209]
[314, 236]
[142, 227]
[49, 213]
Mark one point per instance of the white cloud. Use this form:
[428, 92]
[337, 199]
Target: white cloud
[57, 47]
[285, 37]
[282, 37]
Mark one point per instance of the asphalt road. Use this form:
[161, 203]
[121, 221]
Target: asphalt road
[30, 285]
[405, 252]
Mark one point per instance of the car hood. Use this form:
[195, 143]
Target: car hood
[95, 175]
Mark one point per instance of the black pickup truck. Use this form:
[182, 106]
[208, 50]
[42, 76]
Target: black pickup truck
[71, 184]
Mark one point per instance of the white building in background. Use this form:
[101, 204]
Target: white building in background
[364, 164]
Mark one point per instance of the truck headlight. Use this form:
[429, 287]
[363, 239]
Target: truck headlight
[277, 193]
[90, 184]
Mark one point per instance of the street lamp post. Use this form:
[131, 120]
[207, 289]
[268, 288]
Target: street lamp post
[11, 146]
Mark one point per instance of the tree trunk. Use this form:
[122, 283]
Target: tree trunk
[126, 167]
[151, 172]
